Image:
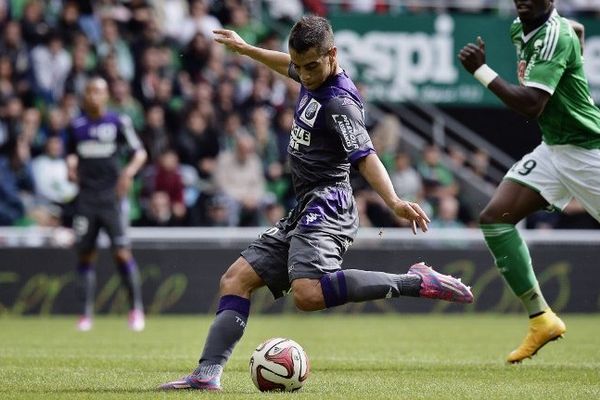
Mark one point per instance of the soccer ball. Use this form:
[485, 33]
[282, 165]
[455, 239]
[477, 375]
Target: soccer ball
[279, 364]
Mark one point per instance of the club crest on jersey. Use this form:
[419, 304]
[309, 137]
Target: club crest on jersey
[345, 127]
[303, 101]
[309, 115]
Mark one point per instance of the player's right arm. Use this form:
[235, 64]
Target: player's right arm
[526, 100]
[137, 161]
[72, 162]
[71, 159]
[276, 60]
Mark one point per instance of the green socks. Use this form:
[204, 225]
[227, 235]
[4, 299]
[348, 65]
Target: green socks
[534, 301]
[514, 262]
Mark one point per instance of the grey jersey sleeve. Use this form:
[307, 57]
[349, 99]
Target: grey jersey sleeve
[346, 119]
[128, 133]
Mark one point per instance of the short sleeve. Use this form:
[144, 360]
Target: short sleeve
[128, 133]
[515, 31]
[550, 60]
[70, 145]
[346, 119]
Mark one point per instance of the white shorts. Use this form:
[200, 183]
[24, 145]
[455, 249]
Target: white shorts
[559, 173]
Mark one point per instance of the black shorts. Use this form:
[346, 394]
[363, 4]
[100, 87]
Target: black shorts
[90, 217]
[309, 242]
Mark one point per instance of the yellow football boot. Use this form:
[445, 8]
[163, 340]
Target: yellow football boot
[542, 329]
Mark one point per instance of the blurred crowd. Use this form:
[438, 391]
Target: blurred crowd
[571, 8]
[216, 125]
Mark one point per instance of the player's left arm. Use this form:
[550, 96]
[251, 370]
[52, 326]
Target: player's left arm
[71, 159]
[526, 100]
[372, 169]
[138, 159]
[134, 143]
[579, 31]
[345, 118]
[136, 163]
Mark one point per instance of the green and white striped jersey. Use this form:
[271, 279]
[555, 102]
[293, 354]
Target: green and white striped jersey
[549, 58]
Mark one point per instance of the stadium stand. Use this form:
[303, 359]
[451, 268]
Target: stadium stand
[199, 110]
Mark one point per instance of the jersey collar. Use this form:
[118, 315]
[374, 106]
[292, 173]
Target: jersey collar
[329, 80]
[526, 38]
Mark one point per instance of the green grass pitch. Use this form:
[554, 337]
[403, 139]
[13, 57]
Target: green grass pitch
[390, 356]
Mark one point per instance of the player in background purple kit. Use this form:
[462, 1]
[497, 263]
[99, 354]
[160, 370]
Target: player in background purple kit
[93, 146]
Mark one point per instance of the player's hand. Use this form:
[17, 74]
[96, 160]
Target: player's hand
[231, 40]
[412, 212]
[124, 184]
[473, 56]
[72, 175]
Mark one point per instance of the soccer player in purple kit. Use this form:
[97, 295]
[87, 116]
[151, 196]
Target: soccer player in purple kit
[93, 145]
[303, 252]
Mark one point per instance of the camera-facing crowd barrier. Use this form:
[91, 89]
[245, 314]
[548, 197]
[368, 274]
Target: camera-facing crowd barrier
[181, 270]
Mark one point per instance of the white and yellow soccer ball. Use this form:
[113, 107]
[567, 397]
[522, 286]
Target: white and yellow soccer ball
[279, 364]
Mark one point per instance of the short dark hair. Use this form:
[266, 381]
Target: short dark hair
[95, 78]
[311, 31]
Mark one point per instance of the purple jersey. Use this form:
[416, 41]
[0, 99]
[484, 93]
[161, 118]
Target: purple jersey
[328, 134]
[97, 144]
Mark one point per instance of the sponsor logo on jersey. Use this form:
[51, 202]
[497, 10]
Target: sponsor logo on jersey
[299, 136]
[521, 66]
[95, 149]
[311, 217]
[346, 129]
[309, 115]
[270, 232]
[525, 65]
[104, 132]
[347, 101]
[303, 101]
